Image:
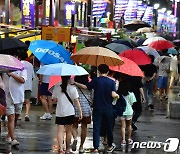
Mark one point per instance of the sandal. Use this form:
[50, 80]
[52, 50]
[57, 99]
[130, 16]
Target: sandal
[112, 148]
[60, 152]
[123, 142]
[130, 141]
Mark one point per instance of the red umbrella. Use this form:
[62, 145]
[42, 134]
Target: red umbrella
[161, 45]
[136, 55]
[129, 67]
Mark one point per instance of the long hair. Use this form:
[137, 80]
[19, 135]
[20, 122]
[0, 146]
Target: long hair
[123, 88]
[83, 79]
[64, 83]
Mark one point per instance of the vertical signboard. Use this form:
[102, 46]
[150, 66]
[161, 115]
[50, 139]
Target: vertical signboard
[27, 7]
[148, 15]
[69, 9]
[141, 10]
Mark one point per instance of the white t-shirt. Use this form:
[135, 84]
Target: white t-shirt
[15, 88]
[174, 64]
[30, 75]
[64, 107]
[45, 78]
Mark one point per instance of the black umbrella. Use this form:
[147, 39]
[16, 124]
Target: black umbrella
[125, 42]
[140, 41]
[136, 24]
[8, 45]
[95, 42]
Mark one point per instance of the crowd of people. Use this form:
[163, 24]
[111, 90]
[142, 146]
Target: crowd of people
[101, 97]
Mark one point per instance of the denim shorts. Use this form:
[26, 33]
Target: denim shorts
[12, 108]
[162, 82]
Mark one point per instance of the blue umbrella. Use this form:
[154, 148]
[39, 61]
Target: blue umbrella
[117, 47]
[49, 52]
[62, 69]
[172, 51]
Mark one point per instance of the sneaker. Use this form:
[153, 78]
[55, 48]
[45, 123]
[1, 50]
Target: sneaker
[74, 145]
[45, 117]
[112, 148]
[130, 141]
[8, 140]
[160, 98]
[49, 116]
[151, 106]
[26, 118]
[123, 143]
[14, 143]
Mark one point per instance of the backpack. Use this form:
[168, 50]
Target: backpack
[120, 106]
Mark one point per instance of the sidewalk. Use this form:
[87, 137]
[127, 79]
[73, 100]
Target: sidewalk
[38, 137]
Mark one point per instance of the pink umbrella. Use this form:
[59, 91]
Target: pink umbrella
[129, 67]
[9, 63]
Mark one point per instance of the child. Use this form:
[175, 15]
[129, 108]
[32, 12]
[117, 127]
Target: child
[126, 118]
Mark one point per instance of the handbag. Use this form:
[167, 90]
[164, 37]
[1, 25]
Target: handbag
[120, 106]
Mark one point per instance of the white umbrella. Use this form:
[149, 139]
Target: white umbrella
[152, 39]
[62, 69]
[149, 51]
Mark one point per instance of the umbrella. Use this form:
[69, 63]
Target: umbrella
[176, 43]
[172, 51]
[145, 30]
[96, 42]
[150, 51]
[96, 56]
[8, 45]
[136, 24]
[129, 67]
[49, 52]
[9, 63]
[140, 41]
[136, 55]
[125, 42]
[161, 45]
[62, 69]
[153, 39]
[117, 47]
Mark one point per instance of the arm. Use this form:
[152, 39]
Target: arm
[76, 102]
[142, 94]
[40, 79]
[54, 100]
[115, 95]
[17, 78]
[82, 86]
[154, 75]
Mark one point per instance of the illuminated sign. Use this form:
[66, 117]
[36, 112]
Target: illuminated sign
[68, 11]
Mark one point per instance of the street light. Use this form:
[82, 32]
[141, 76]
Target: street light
[156, 6]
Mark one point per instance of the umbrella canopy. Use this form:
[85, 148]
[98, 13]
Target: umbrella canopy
[62, 69]
[9, 63]
[125, 42]
[8, 45]
[153, 39]
[49, 52]
[145, 30]
[129, 67]
[150, 51]
[136, 24]
[117, 47]
[95, 42]
[136, 55]
[176, 43]
[96, 56]
[172, 51]
[161, 45]
[140, 41]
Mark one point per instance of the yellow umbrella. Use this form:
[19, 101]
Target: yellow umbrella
[96, 56]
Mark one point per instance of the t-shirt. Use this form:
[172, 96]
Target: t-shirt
[149, 70]
[64, 107]
[174, 64]
[130, 99]
[103, 87]
[30, 75]
[162, 69]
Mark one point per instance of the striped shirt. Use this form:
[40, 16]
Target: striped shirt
[85, 106]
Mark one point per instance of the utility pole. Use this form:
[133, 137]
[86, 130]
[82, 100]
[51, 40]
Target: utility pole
[51, 13]
[44, 13]
[7, 6]
[112, 14]
[89, 11]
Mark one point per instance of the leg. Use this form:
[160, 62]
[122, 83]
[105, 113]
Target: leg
[68, 137]
[44, 103]
[83, 135]
[11, 125]
[50, 103]
[129, 128]
[75, 134]
[123, 130]
[60, 135]
[28, 105]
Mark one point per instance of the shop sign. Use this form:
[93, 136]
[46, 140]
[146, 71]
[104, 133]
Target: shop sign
[69, 9]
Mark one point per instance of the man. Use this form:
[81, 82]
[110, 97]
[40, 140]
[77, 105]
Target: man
[14, 89]
[104, 92]
[28, 83]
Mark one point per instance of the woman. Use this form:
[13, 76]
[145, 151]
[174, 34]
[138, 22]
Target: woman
[65, 95]
[85, 97]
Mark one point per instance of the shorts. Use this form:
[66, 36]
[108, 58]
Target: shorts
[44, 89]
[126, 117]
[162, 82]
[84, 120]
[173, 74]
[12, 108]
[27, 94]
[68, 120]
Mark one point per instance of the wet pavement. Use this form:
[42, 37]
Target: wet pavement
[39, 137]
